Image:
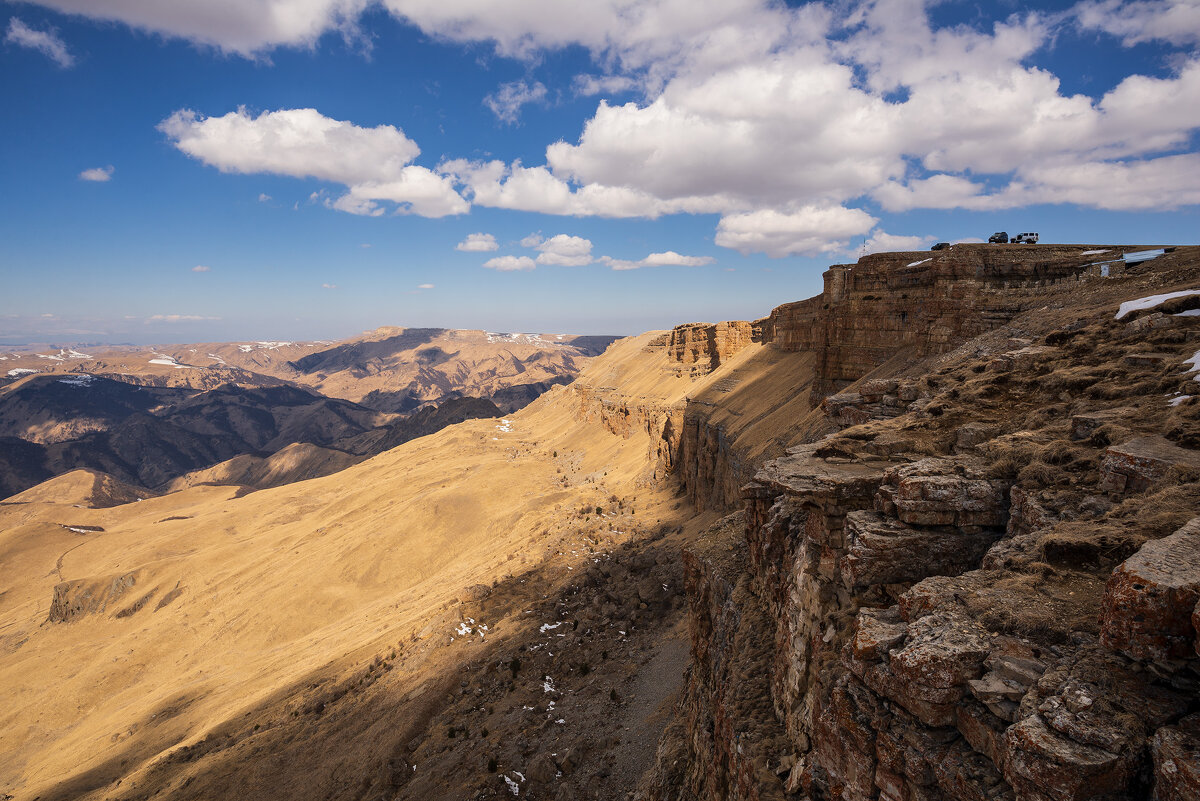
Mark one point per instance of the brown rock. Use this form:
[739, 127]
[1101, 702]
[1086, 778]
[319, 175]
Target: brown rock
[1176, 753]
[877, 632]
[886, 551]
[1085, 424]
[1150, 599]
[1043, 765]
[1134, 465]
[939, 492]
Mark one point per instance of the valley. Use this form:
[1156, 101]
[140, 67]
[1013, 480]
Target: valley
[930, 534]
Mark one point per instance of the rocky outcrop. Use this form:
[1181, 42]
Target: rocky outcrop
[705, 346]
[919, 303]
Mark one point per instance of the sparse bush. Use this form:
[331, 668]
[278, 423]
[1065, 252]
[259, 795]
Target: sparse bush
[1038, 473]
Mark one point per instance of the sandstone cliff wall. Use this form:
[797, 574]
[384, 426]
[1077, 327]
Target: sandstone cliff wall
[937, 601]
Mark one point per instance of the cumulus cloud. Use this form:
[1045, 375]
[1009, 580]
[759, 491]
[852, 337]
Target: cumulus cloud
[808, 231]
[201, 268]
[748, 109]
[263, 197]
[98, 174]
[565, 250]
[883, 242]
[667, 258]
[1174, 21]
[478, 243]
[329, 286]
[245, 27]
[373, 163]
[46, 42]
[506, 101]
[178, 318]
[510, 263]
[425, 286]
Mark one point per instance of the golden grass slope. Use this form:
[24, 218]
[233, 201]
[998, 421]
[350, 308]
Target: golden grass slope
[190, 609]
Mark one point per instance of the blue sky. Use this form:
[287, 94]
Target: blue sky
[302, 169]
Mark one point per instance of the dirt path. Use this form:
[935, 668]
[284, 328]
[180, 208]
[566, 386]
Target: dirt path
[653, 692]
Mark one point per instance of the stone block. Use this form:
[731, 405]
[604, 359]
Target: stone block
[1150, 600]
[1085, 424]
[1134, 465]
[1044, 765]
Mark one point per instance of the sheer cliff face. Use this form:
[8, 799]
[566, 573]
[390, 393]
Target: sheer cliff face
[982, 585]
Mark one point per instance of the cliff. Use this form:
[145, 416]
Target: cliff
[983, 584]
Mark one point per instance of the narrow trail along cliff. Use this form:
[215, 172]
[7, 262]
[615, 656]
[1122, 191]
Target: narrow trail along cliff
[931, 534]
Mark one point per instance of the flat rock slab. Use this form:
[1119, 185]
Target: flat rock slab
[1085, 424]
[1150, 599]
[1134, 465]
[883, 550]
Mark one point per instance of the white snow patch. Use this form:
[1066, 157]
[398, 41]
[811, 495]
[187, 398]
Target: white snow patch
[922, 261]
[169, 361]
[505, 426]
[245, 348]
[80, 530]
[548, 685]
[1177, 401]
[1092, 252]
[17, 372]
[516, 788]
[1194, 362]
[78, 381]
[1151, 301]
[51, 356]
[547, 626]
[1188, 313]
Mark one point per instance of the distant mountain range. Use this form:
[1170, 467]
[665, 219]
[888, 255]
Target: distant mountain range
[167, 417]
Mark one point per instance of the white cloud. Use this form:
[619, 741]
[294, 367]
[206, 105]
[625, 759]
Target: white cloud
[565, 250]
[478, 243]
[329, 286]
[587, 85]
[807, 231]
[506, 101]
[373, 163]
[1174, 21]
[425, 286]
[510, 263]
[883, 242]
[45, 42]
[532, 241]
[201, 268]
[98, 174]
[263, 197]
[743, 108]
[667, 258]
[178, 318]
[246, 27]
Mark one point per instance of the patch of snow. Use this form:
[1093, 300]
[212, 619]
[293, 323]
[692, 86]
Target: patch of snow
[245, 348]
[78, 381]
[516, 788]
[1188, 313]
[1194, 362]
[1151, 301]
[1177, 401]
[548, 685]
[560, 720]
[71, 353]
[17, 372]
[505, 426]
[1092, 252]
[54, 357]
[919, 263]
[547, 626]
[79, 530]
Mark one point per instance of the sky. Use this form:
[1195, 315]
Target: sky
[173, 171]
